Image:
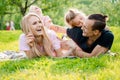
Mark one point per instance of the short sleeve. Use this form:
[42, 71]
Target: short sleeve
[75, 34]
[107, 40]
[55, 41]
[22, 43]
[69, 32]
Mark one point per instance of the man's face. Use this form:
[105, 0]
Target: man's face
[87, 28]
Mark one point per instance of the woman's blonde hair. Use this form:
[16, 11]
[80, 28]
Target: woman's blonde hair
[72, 13]
[26, 28]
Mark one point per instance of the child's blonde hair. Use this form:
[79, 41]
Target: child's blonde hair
[72, 13]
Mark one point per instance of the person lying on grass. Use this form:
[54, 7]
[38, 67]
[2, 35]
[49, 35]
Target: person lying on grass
[90, 34]
[95, 39]
[38, 40]
[101, 29]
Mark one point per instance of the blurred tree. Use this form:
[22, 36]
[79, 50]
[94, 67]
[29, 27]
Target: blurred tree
[15, 9]
[55, 9]
[10, 7]
[3, 11]
[22, 4]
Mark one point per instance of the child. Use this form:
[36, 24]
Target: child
[75, 20]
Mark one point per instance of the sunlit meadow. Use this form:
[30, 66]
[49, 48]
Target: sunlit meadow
[104, 67]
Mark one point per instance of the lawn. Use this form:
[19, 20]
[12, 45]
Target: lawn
[104, 67]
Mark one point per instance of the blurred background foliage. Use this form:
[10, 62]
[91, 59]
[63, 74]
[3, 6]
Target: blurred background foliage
[56, 9]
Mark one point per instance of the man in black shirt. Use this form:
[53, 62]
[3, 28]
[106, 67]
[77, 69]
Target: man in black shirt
[92, 38]
[95, 39]
[104, 40]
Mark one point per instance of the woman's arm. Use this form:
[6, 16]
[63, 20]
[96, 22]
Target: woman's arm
[29, 54]
[96, 52]
[59, 52]
[64, 53]
[67, 48]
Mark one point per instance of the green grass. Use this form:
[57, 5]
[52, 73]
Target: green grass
[104, 67]
[9, 40]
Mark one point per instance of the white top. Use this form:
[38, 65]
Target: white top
[51, 34]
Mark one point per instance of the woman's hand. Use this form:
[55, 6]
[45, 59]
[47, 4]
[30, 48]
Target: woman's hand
[30, 39]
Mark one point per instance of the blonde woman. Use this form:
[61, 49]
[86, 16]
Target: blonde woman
[37, 40]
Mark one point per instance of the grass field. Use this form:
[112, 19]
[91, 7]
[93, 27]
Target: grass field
[104, 67]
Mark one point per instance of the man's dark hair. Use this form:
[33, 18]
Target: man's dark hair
[100, 21]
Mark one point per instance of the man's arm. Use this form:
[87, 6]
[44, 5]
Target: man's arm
[96, 52]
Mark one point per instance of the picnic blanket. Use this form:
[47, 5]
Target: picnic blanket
[7, 55]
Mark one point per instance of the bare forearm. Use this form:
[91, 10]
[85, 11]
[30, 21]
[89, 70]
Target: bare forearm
[96, 52]
[82, 54]
[57, 28]
[30, 54]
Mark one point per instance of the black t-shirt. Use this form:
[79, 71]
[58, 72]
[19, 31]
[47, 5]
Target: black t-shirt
[105, 40]
[75, 34]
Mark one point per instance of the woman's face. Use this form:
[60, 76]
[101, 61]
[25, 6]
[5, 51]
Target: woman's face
[35, 25]
[77, 21]
[87, 28]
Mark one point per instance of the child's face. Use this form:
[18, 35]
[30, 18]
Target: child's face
[36, 10]
[77, 21]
